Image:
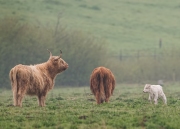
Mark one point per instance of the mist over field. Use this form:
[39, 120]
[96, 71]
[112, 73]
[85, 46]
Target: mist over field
[137, 40]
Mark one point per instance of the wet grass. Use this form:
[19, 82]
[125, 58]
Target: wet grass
[76, 108]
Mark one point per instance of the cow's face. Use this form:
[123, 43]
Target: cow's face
[57, 63]
[147, 88]
[62, 64]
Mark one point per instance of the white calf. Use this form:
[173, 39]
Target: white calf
[155, 92]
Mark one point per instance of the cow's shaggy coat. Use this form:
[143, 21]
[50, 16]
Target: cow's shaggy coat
[102, 84]
[35, 79]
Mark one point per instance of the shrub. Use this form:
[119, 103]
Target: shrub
[25, 43]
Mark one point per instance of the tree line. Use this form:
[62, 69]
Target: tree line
[27, 43]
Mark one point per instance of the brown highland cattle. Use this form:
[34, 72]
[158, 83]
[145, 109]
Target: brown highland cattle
[35, 79]
[102, 84]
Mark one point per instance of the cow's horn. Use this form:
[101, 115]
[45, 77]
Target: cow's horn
[49, 53]
[60, 54]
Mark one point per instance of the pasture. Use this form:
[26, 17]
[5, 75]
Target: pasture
[75, 108]
[132, 30]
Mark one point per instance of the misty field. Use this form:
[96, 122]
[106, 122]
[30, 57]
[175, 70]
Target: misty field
[75, 108]
[125, 24]
[123, 36]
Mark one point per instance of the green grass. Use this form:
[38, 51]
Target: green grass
[76, 108]
[125, 24]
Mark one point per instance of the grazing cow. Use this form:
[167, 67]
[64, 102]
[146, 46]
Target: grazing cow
[102, 84]
[155, 92]
[35, 79]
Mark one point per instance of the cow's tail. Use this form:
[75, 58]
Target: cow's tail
[101, 88]
[12, 76]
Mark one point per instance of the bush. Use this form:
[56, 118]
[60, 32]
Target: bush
[25, 43]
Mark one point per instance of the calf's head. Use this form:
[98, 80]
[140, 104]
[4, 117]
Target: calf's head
[57, 63]
[147, 88]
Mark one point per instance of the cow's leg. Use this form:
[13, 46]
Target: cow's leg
[20, 96]
[155, 99]
[41, 100]
[108, 94]
[98, 99]
[164, 99]
[150, 98]
[19, 99]
[107, 100]
[15, 99]
[102, 100]
[108, 91]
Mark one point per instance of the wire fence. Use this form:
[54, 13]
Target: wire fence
[147, 65]
[156, 54]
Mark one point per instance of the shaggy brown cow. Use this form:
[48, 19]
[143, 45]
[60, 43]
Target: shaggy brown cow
[102, 84]
[35, 79]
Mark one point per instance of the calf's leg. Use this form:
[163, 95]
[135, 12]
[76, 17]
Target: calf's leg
[164, 99]
[155, 99]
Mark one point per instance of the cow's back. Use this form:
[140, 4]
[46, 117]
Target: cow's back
[157, 88]
[30, 79]
[102, 84]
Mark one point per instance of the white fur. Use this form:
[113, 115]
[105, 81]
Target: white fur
[155, 92]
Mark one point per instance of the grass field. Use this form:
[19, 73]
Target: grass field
[125, 24]
[75, 108]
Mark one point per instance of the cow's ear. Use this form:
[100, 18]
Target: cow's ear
[147, 85]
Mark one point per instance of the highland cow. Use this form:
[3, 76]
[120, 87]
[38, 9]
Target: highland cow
[155, 92]
[35, 79]
[102, 84]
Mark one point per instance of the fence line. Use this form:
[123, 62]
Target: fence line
[156, 54]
